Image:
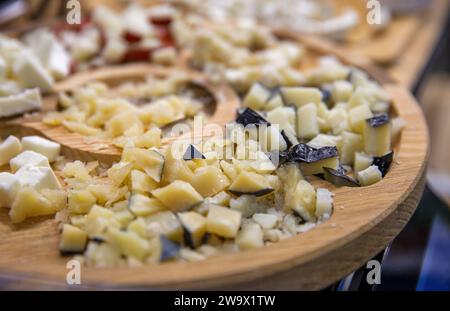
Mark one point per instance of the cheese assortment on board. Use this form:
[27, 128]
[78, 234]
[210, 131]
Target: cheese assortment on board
[187, 200]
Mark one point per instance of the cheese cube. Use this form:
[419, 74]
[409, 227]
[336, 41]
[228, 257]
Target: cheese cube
[50, 52]
[251, 236]
[37, 177]
[361, 162]
[114, 49]
[30, 203]
[307, 123]
[28, 158]
[369, 176]
[341, 91]
[9, 186]
[43, 146]
[73, 240]
[223, 221]
[29, 71]
[358, 115]
[15, 104]
[9, 149]
[266, 221]
[178, 196]
[324, 203]
[351, 143]
[300, 96]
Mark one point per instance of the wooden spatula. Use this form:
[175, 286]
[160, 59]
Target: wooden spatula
[87, 148]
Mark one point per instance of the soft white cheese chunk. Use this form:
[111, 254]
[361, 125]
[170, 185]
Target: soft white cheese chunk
[28, 100]
[135, 20]
[9, 186]
[369, 176]
[28, 157]
[266, 221]
[50, 52]
[324, 203]
[37, 177]
[30, 72]
[114, 49]
[9, 149]
[43, 146]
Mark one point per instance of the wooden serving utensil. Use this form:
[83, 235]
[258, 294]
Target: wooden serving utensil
[87, 148]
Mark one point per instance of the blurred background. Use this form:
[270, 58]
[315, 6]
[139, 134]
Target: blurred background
[410, 40]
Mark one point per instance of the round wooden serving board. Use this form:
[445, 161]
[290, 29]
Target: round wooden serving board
[364, 221]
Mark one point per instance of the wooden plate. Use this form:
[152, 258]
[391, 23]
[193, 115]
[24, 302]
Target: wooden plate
[363, 222]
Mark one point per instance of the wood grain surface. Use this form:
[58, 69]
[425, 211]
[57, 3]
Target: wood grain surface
[364, 220]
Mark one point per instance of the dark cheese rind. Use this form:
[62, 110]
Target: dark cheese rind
[258, 193]
[338, 178]
[187, 237]
[384, 163]
[326, 96]
[304, 153]
[192, 153]
[287, 139]
[378, 120]
[169, 249]
[248, 116]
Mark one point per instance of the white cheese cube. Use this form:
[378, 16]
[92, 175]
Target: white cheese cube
[28, 157]
[135, 20]
[114, 49]
[324, 203]
[9, 149]
[223, 221]
[50, 52]
[307, 123]
[358, 115]
[37, 177]
[9, 186]
[43, 146]
[28, 100]
[29, 71]
[284, 117]
[250, 236]
[8, 88]
[361, 162]
[351, 143]
[300, 96]
[369, 176]
[341, 91]
[266, 221]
